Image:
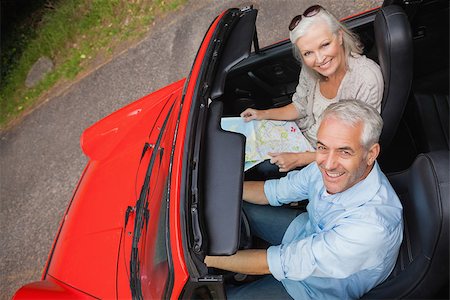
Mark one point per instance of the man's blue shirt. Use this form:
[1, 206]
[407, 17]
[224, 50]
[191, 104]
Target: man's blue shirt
[346, 243]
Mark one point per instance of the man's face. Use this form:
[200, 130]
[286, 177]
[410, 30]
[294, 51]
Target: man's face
[342, 160]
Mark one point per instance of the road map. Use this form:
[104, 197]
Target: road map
[267, 136]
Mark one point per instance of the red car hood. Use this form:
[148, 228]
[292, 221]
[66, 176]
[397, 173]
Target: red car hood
[92, 231]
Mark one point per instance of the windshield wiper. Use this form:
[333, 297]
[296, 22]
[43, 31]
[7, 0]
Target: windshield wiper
[142, 214]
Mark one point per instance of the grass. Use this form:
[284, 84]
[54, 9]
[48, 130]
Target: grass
[74, 34]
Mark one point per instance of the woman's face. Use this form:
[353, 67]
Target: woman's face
[322, 50]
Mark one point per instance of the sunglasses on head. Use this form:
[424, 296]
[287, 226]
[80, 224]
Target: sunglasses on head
[309, 12]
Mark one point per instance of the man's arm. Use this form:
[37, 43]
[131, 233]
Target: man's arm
[251, 262]
[254, 192]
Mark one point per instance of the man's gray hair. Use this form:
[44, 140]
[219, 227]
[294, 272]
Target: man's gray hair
[354, 112]
[350, 41]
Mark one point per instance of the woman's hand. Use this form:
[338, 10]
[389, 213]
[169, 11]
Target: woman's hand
[285, 113]
[252, 114]
[287, 161]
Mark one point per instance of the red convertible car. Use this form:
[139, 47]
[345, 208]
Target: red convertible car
[163, 184]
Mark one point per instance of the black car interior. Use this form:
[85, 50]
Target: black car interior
[423, 259]
[223, 194]
[410, 42]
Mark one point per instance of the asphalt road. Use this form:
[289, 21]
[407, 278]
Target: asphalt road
[40, 158]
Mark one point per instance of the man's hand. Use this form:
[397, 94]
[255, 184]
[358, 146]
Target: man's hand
[251, 262]
[287, 161]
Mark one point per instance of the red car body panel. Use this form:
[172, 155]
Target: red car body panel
[93, 228]
[50, 289]
[91, 253]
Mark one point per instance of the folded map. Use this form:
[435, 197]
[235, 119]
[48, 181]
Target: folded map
[267, 136]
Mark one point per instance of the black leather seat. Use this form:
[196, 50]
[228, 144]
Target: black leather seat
[393, 41]
[422, 268]
[430, 121]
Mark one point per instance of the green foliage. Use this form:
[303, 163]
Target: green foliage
[72, 33]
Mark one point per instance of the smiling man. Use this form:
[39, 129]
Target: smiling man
[348, 240]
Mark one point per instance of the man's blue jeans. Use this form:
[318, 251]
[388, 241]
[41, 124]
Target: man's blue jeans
[268, 223]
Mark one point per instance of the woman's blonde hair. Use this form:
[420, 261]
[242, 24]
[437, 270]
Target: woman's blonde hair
[350, 41]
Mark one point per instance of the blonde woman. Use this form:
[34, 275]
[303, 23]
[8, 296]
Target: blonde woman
[333, 68]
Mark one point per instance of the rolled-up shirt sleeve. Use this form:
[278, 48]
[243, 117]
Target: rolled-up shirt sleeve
[274, 260]
[293, 187]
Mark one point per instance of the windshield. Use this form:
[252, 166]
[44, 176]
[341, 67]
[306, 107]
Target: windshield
[149, 267]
